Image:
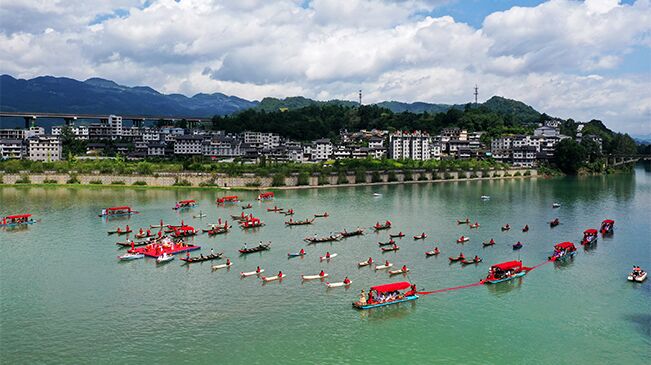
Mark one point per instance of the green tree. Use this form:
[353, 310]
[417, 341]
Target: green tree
[569, 156]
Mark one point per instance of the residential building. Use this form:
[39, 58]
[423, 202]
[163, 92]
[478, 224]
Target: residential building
[406, 145]
[80, 132]
[322, 149]
[12, 148]
[44, 148]
[188, 145]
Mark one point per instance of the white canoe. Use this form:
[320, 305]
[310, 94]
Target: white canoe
[161, 259]
[251, 273]
[639, 278]
[382, 267]
[131, 256]
[364, 263]
[200, 216]
[336, 285]
[272, 278]
[396, 272]
[465, 239]
[321, 258]
[312, 277]
[221, 266]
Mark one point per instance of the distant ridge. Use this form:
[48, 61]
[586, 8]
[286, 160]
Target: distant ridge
[101, 96]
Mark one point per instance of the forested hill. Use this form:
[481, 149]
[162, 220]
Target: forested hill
[325, 119]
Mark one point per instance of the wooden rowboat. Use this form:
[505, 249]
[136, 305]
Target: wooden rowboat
[251, 273]
[397, 272]
[221, 266]
[272, 278]
[314, 277]
[338, 284]
[258, 248]
[321, 258]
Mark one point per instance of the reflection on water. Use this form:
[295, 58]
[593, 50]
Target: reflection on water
[389, 312]
[505, 287]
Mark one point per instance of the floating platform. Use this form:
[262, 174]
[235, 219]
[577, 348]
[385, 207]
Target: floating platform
[155, 251]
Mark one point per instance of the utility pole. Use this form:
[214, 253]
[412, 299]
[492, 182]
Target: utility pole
[360, 98]
[476, 94]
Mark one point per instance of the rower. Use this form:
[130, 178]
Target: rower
[492, 241]
[258, 270]
[461, 238]
[280, 274]
[347, 281]
[327, 256]
[302, 251]
[476, 259]
[461, 256]
[187, 255]
[370, 260]
[362, 297]
[436, 250]
[386, 263]
[212, 252]
[404, 268]
[127, 230]
[140, 231]
[228, 262]
[322, 273]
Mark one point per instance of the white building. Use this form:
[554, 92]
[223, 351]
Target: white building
[44, 148]
[12, 148]
[406, 145]
[188, 145]
[322, 149]
[80, 132]
[261, 140]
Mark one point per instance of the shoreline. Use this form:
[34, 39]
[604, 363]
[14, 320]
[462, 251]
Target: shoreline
[270, 188]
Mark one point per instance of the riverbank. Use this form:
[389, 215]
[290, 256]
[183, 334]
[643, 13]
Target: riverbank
[255, 182]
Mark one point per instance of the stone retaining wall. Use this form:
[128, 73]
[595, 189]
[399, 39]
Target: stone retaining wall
[253, 181]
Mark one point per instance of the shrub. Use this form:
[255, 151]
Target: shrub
[303, 178]
[50, 181]
[182, 183]
[392, 176]
[253, 184]
[447, 176]
[323, 180]
[517, 173]
[139, 183]
[341, 179]
[473, 175]
[408, 176]
[375, 177]
[360, 176]
[117, 182]
[278, 180]
[73, 180]
[208, 183]
[1, 179]
[527, 173]
[423, 177]
[95, 182]
[24, 179]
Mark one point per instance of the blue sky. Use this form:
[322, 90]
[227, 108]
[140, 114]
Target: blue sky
[568, 58]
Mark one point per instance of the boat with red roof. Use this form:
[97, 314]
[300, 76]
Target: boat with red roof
[386, 294]
[563, 251]
[184, 231]
[228, 199]
[117, 211]
[16, 220]
[266, 196]
[184, 204]
[589, 237]
[607, 226]
[505, 271]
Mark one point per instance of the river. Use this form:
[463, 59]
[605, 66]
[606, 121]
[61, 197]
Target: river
[65, 298]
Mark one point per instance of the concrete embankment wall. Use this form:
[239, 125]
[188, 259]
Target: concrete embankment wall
[253, 181]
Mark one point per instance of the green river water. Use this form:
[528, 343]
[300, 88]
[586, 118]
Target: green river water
[65, 298]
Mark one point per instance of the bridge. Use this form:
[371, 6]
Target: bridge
[615, 161]
[69, 118]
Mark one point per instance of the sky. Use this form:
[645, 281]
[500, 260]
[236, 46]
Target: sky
[572, 59]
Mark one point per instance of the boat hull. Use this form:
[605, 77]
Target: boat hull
[637, 279]
[518, 275]
[371, 306]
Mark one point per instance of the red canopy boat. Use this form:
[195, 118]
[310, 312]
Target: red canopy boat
[607, 226]
[13, 220]
[228, 199]
[116, 211]
[383, 295]
[505, 271]
[589, 237]
[184, 231]
[185, 204]
[266, 196]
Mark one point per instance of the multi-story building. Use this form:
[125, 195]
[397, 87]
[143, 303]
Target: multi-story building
[322, 149]
[261, 140]
[524, 156]
[80, 132]
[44, 148]
[222, 147]
[406, 145]
[12, 148]
[156, 149]
[188, 145]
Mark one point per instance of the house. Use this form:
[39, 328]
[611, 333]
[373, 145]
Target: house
[12, 148]
[409, 145]
[46, 148]
[188, 145]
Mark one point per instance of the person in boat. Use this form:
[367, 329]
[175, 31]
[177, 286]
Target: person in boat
[228, 262]
[476, 259]
[258, 270]
[212, 252]
[347, 281]
[436, 250]
[187, 255]
[404, 268]
[392, 241]
[461, 256]
[492, 241]
[327, 255]
[526, 227]
[322, 273]
[386, 263]
[462, 238]
[370, 260]
[362, 297]
[301, 252]
[119, 230]
[201, 255]
[412, 291]
[280, 274]
[128, 229]
[395, 247]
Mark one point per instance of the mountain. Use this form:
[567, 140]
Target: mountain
[297, 102]
[100, 96]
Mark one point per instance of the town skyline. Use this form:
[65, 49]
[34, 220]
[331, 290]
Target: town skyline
[591, 62]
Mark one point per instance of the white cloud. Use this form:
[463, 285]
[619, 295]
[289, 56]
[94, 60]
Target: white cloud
[332, 48]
